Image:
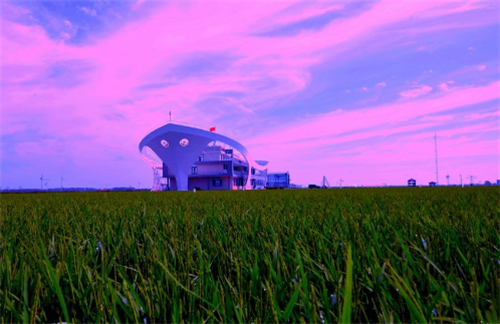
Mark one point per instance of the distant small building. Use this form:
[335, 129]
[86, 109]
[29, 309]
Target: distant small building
[487, 183]
[279, 180]
[412, 183]
[432, 184]
[498, 182]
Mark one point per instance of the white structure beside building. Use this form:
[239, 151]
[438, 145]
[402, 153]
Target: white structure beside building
[187, 158]
[278, 180]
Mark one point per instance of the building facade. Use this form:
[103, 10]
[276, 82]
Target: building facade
[187, 158]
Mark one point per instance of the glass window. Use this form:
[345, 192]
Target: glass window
[194, 169]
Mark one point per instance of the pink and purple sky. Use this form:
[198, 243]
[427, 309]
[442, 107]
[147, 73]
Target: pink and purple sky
[349, 90]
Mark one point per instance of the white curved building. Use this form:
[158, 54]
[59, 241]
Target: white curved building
[187, 158]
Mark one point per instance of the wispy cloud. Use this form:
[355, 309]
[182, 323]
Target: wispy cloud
[416, 92]
[339, 121]
[481, 116]
[89, 11]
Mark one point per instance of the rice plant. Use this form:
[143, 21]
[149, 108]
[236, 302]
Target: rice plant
[349, 255]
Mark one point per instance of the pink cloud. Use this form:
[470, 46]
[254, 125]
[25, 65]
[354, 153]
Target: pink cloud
[89, 11]
[481, 116]
[145, 52]
[416, 92]
[437, 118]
[152, 49]
[338, 121]
[444, 86]
[396, 157]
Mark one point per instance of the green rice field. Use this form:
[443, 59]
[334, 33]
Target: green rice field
[338, 255]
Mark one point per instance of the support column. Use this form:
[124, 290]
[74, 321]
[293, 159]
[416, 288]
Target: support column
[182, 182]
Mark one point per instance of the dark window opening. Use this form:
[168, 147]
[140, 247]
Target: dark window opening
[217, 182]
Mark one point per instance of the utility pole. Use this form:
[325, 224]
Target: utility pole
[461, 184]
[436, 152]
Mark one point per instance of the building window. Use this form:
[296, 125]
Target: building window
[184, 142]
[224, 166]
[194, 169]
[253, 170]
[200, 158]
[217, 182]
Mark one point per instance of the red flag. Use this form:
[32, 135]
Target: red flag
[212, 129]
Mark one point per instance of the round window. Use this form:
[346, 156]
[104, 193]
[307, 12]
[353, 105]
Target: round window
[184, 142]
[164, 143]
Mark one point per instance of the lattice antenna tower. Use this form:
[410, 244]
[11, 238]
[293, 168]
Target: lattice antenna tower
[156, 179]
[42, 179]
[150, 157]
[325, 183]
